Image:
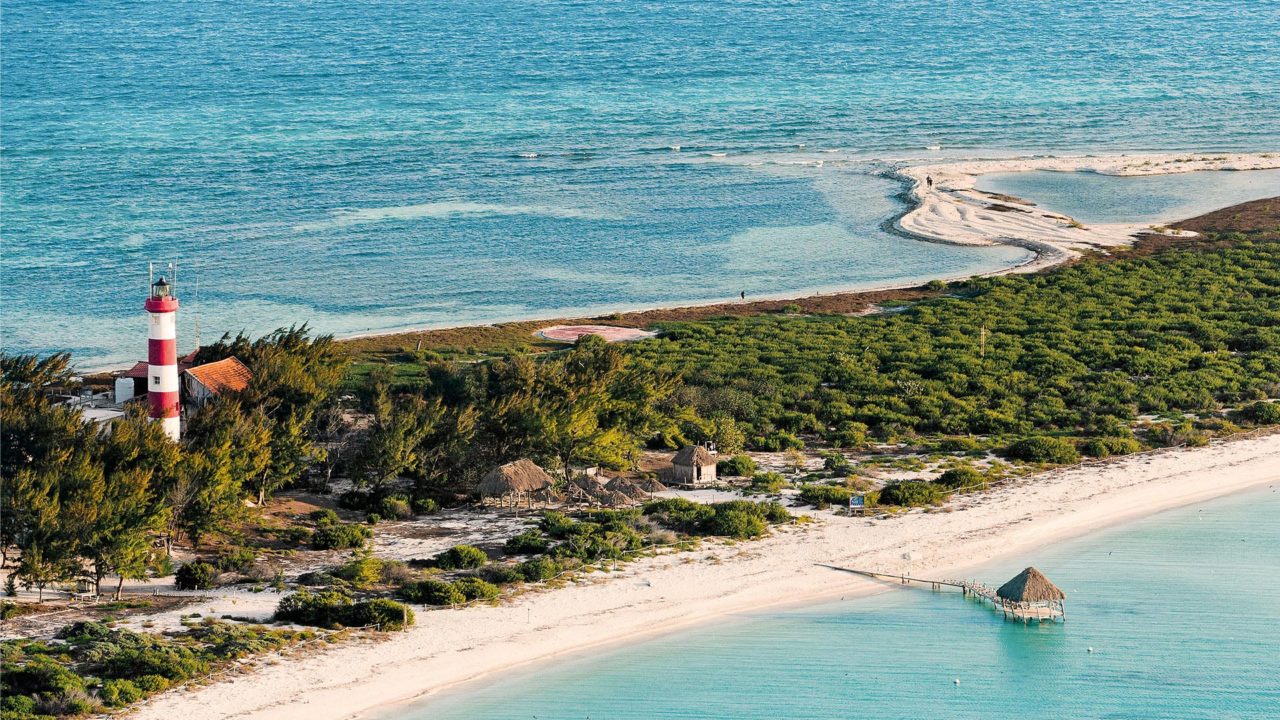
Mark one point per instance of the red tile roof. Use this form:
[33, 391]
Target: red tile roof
[139, 370]
[229, 375]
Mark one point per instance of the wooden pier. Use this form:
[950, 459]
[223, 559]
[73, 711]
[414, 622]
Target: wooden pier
[1047, 605]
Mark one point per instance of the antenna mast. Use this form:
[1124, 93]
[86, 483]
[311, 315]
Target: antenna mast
[196, 306]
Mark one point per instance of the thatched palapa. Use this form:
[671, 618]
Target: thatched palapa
[1031, 586]
[514, 478]
[650, 485]
[627, 488]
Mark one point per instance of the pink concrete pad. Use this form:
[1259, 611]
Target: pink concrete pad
[571, 333]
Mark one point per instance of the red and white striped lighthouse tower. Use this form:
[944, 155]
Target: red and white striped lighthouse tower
[162, 356]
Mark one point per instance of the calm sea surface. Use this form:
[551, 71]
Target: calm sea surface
[369, 166]
[1182, 611]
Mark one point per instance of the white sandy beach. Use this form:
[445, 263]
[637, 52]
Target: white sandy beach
[666, 593]
[952, 210]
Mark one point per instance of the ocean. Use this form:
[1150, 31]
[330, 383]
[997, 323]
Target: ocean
[366, 167]
[1172, 617]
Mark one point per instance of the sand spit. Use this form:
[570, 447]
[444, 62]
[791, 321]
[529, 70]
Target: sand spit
[952, 210]
[665, 593]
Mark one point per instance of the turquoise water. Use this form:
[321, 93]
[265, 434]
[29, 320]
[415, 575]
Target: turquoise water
[1093, 198]
[1181, 609]
[369, 166]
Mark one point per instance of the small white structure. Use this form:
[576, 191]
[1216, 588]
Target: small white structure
[124, 390]
[693, 466]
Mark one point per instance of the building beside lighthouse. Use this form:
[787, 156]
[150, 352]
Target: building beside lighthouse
[162, 358]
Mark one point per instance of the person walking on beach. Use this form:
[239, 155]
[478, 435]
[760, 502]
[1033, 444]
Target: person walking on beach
[928, 180]
[743, 294]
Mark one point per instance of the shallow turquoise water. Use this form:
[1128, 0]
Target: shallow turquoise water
[1093, 198]
[1182, 610]
[369, 166]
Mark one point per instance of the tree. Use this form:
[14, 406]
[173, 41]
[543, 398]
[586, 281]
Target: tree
[596, 404]
[212, 493]
[120, 538]
[38, 571]
[392, 444]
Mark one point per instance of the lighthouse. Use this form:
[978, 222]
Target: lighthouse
[162, 357]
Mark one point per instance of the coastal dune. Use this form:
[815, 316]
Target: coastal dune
[668, 592]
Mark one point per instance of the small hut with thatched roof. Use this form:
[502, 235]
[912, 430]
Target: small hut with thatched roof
[627, 488]
[650, 485]
[1030, 595]
[514, 480]
[693, 466]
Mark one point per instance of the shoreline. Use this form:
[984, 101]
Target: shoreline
[952, 213]
[664, 594]
[1053, 241]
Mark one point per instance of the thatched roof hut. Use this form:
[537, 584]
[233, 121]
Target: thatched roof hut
[521, 476]
[694, 456]
[650, 485]
[1032, 586]
[627, 488]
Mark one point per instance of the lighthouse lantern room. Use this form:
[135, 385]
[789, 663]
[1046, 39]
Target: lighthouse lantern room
[162, 354]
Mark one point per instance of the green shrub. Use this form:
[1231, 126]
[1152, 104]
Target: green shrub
[173, 662]
[322, 609]
[118, 693]
[17, 707]
[502, 574]
[431, 592]
[195, 576]
[1102, 447]
[824, 496]
[539, 569]
[736, 466]
[461, 557]
[1260, 413]
[770, 482]
[360, 572]
[555, 524]
[324, 517]
[345, 536]
[679, 514]
[774, 513]
[736, 524]
[236, 559]
[958, 444]
[379, 612]
[736, 519]
[1044, 449]
[473, 588]
[151, 684]
[395, 507]
[849, 434]
[962, 477]
[41, 675]
[837, 463]
[293, 535]
[777, 441]
[425, 506]
[529, 542]
[912, 493]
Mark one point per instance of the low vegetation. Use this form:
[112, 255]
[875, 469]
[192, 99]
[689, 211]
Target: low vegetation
[91, 667]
